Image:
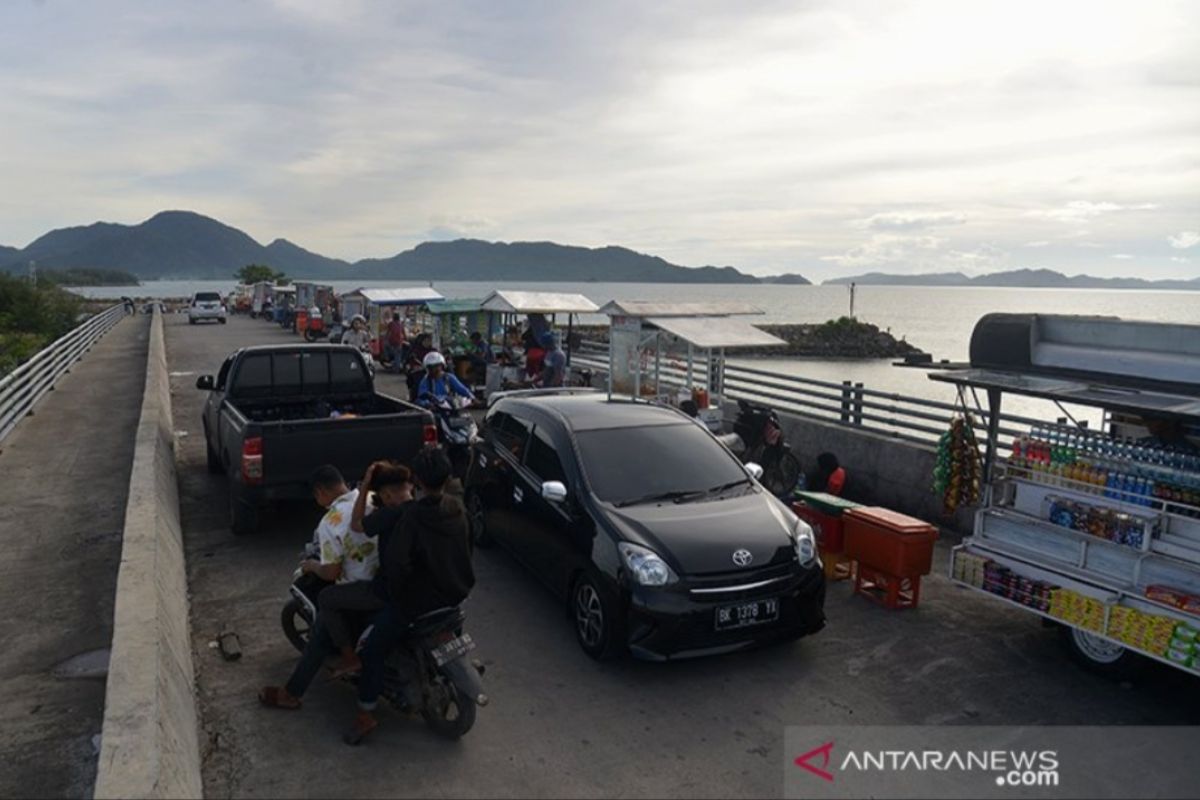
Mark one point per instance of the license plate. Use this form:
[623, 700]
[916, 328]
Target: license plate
[453, 649]
[744, 615]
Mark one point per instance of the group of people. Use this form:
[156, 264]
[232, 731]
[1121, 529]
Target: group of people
[392, 550]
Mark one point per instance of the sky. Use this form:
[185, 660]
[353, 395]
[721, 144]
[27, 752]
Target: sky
[827, 138]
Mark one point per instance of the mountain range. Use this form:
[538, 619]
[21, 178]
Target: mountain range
[186, 245]
[1017, 278]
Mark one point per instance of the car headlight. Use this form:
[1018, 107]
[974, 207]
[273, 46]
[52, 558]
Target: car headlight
[646, 566]
[806, 543]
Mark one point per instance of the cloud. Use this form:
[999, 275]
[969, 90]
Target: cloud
[1122, 256]
[1039, 243]
[1181, 259]
[911, 220]
[884, 248]
[1184, 240]
[1080, 210]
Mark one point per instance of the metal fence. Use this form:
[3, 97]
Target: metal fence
[913, 419]
[24, 386]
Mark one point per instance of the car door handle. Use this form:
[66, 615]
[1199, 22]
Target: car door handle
[518, 494]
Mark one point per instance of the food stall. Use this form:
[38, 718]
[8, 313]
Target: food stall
[506, 307]
[690, 337]
[453, 323]
[1098, 530]
[376, 304]
[311, 295]
[262, 297]
[285, 305]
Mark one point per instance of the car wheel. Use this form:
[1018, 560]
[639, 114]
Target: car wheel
[296, 626]
[214, 462]
[221, 320]
[594, 613]
[191, 321]
[1100, 656]
[477, 516]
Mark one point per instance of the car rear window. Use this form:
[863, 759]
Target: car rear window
[300, 373]
[208, 297]
[623, 464]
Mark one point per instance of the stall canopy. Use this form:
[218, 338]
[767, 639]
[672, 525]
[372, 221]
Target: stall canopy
[459, 306]
[644, 308]
[509, 302]
[401, 297]
[710, 333]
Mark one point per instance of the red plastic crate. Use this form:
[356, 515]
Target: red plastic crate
[827, 527]
[888, 542]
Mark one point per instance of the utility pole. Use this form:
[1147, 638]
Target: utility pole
[33, 272]
[851, 301]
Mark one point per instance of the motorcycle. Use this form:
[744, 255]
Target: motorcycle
[758, 437]
[317, 330]
[427, 672]
[456, 428]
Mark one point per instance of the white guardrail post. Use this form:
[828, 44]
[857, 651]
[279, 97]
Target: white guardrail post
[24, 386]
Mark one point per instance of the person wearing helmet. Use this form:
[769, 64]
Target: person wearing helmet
[358, 336]
[438, 383]
[554, 363]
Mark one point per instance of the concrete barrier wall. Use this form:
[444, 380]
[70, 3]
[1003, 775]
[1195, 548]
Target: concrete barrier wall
[881, 470]
[149, 742]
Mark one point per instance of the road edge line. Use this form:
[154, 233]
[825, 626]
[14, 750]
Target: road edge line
[150, 744]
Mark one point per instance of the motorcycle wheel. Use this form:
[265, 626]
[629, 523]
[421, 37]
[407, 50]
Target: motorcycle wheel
[310, 336]
[295, 626]
[783, 475]
[445, 709]
[477, 517]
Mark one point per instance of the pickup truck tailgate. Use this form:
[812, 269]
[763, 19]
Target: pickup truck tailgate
[292, 450]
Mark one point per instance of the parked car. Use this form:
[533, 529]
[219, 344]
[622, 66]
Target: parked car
[276, 413]
[659, 540]
[206, 305]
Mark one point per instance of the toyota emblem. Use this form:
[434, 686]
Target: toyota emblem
[742, 557]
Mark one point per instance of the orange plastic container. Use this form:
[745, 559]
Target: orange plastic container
[301, 320]
[889, 542]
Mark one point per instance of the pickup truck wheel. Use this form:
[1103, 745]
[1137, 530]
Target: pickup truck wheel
[477, 516]
[214, 462]
[243, 517]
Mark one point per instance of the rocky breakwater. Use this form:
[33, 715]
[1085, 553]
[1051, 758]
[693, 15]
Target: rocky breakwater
[835, 339]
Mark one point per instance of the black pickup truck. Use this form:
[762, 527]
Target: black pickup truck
[276, 413]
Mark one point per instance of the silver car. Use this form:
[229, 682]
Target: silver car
[206, 305]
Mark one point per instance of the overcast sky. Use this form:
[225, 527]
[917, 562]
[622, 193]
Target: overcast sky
[827, 138]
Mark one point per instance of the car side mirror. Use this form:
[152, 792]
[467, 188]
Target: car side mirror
[205, 383]
[554, 491]
[755, 470]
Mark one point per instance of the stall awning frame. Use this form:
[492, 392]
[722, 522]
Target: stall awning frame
[407, 296]
[709, 333]
[505, 301]
[647, 309]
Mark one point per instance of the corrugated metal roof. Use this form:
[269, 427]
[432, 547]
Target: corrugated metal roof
[511, 302]
[408, 296]
[709, 332]
[644, 308]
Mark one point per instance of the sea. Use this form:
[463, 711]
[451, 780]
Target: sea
[938, 320]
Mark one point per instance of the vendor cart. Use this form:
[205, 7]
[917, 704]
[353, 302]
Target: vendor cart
[314, 309]
[262, 298]
[377, 306]
[541, 311]
[675, 352]
[453, 323]
[1096, 530]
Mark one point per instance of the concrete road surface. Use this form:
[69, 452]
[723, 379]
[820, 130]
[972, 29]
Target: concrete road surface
[561, 725]
[62, 509]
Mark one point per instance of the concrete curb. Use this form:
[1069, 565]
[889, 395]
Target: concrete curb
[149, 742]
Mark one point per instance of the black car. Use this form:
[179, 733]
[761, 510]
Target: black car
[660, 541]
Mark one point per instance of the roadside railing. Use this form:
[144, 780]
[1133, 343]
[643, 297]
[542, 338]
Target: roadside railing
[914, 419]
[24, 386]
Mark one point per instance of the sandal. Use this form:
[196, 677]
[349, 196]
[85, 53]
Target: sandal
[278, 697]
[364, 723]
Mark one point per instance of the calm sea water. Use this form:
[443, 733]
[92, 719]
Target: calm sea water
[936, 319]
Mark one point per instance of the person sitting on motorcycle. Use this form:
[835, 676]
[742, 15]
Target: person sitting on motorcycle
[345, 557]
[358, 336]
[414, 362]
[391, 483]
[438, 383]
[427, 567]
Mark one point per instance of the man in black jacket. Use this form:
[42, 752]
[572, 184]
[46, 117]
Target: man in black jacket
[427, 566]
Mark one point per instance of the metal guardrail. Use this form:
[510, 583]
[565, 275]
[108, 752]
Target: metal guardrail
[24, 386]
[914, 419]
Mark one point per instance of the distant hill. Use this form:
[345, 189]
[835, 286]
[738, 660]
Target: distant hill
[8, 252]
[183, 244]
[1022, 278]
[790, 279]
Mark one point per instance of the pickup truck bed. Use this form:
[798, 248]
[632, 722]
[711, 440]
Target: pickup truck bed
[275, 414]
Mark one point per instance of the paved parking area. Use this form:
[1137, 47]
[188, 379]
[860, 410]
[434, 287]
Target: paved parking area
[561, 725]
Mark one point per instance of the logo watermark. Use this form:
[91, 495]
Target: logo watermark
[975, 761]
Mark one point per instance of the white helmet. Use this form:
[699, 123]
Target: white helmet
[434, 359]
[358, 318]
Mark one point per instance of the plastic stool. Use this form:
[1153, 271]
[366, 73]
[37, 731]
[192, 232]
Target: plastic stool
[889, 591]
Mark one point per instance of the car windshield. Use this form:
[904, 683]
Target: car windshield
[207, 297]
[628, 465]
